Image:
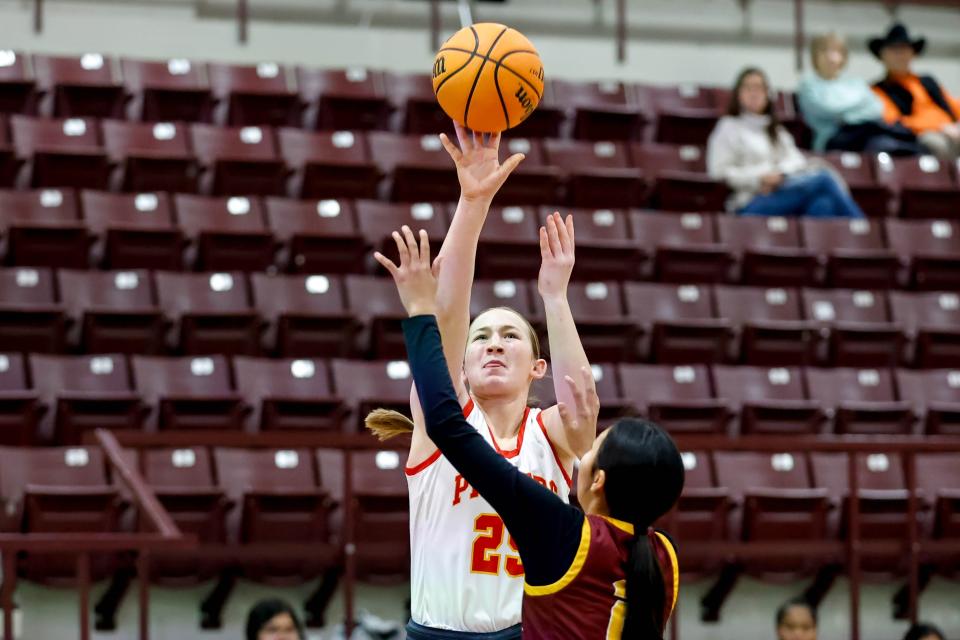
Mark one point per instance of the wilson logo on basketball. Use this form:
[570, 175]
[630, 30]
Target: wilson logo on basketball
[537, 73]
[439, 67]
[524, 99]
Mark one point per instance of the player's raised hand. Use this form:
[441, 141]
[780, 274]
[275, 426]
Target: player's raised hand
[586, 404]
[416, 278]
[556, 255]
[478, 163]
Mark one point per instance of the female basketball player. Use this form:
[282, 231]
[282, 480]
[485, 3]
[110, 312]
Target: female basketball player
[465, 574]
[589, 576]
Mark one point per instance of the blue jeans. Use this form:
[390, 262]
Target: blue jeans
[817, 195]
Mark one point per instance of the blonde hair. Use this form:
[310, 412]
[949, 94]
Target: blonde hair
[821, 43]
[387, 423]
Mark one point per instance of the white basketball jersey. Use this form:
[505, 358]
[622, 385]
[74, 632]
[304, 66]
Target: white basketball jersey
[465, 572]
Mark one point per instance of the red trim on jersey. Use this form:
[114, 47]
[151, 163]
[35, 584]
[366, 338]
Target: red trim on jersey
[523, 427]
[468, 408]
[556, 456]
[412, 471]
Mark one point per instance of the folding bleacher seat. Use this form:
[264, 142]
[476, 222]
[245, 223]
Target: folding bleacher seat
[188, 393]
[176, 90]
[607, 333]
[375, 303]
[60, 153]
[932, 322]
[133, 231]
[382, 514]
[418, 167]
[288, 394]
[686, 114]
[10, 164]
[239, 160]
[774, 503]
[509, 245]
[254, 95]
[678, 398]
[79, 87]
[17, 87]
[770, 249]
[151, 156]
[30, 318]
[604, 247]
[861, 401]
[344, 99]
[534, 181]
[679, 323]
[548, 120]
[857, 172]
[378, 220]
[931, 249]
[318, 236]
[769, 401]
[417, 109]
[365, 386]
[333, 164]
[925, 186]
[609, 110]
[515, 294]
[938, 478]
[853, 253]
[278, 501]
[682, 248]
[113, 311]
[679, 176]
[43, 228]
[858, 325]
[613, 402]
[212, 312]
[771, 325]
[308, 315]
[598, 174]
[85, 393]
[20, 408]
[229, 233]
[936, 396]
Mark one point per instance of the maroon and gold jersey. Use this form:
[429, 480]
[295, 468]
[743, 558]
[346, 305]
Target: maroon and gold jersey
[589, 601]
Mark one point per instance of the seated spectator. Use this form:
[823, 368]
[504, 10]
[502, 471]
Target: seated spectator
[760, 162]
[919, 102]
[921, 631]
[843, 112]
[274, 620]
[796, 620]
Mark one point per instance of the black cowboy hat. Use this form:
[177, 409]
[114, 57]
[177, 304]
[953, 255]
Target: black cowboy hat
[898, 34]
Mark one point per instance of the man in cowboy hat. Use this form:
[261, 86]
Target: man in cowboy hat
[918, 102]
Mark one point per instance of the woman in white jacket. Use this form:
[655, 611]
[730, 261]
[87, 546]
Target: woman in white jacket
[760, 162]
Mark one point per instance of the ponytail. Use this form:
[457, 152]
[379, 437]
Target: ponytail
[646, 600]
[387, 424]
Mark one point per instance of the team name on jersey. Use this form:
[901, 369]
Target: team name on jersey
[461, 486]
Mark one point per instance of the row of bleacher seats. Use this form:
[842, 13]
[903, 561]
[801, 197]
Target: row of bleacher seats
[349, 316]
[55, 399]
[258, 160]
[56, 228]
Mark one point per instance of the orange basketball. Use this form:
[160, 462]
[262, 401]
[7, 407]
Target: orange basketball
[488, 77]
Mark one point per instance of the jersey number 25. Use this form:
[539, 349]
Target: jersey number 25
[484, 558]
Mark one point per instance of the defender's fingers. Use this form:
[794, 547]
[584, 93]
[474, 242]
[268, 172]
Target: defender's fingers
[424, 247]
[401, 248]
[386, 262]
[411, 241]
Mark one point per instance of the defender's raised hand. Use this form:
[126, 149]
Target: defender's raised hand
[586, 404]
[478, 163]
[556, 255]
[416, 278]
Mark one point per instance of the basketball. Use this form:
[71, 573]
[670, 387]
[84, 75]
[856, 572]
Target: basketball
[488, 77]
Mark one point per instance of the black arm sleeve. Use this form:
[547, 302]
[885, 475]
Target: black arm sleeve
[546, 529]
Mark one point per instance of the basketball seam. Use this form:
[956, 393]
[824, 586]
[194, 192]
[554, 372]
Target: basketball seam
[476, 45]
[503, 104]
[518, 74]
[476, 79]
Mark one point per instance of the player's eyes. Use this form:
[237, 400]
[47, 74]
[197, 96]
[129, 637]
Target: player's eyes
[513, 336]
[478, 337]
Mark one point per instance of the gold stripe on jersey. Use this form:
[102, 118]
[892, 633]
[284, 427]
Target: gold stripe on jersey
[572, 572]
[626, 527]
[674, 568]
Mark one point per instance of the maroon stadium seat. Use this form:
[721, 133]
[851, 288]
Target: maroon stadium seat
[679, 322]
[598, 174]
[936, 395]
[113, 311]
[20, 409]
[239, 160]
[417, 109]
[607, 333]
[365, 386]
[78, 87]
[30, 318]
[375, 303]
[534, 181]
[604, 248]
[254, 95]
[608, 110]
[515, 294]
[188, 393]
[548, 120]
[858, 325]
[344, 99]
[334, 164]
[318, 236]
[230, 233]
[862, 401]
[771, 325]
[60, 153]
[175, 90]
[938, 478]
[683, 248]
[378, 220]
[382, 520]
[770, 249]
[679, 175]
[288, 394]
[932, 321]
[43, 228]
[212, 311]
[17, 87]
[857, 171]
[613, 403]
[151, 156]
[853, 252]
[85, 393]
[133, 231]
[702, 512]
[769, 401]
[926, 186]
[10, 164]
[307, 314]
[931, 249]
[678, 398]
[509, 246]
[418, 166]
[686, 114]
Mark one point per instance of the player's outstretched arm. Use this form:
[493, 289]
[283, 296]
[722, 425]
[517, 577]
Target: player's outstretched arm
[567, 358]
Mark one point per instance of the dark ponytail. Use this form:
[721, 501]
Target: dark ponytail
[644, 478]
